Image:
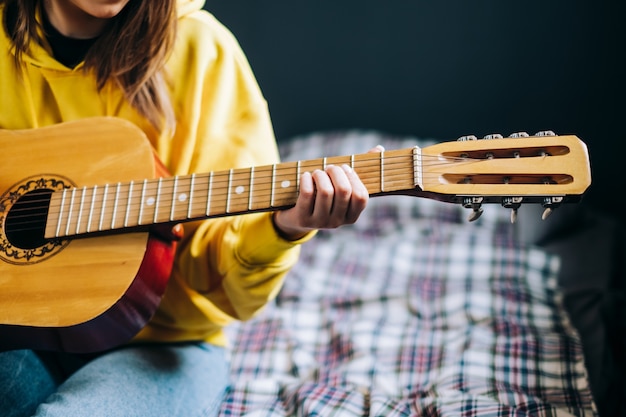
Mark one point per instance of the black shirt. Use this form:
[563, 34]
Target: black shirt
[68, 51]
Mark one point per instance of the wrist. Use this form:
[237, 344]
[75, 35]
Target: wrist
[287, 232]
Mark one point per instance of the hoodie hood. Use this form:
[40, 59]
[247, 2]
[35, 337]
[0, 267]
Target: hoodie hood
[185, 7]
[46, 82]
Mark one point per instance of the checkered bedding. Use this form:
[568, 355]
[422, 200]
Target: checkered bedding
[410, 312]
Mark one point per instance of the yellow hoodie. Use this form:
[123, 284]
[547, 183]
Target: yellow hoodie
[227, 268]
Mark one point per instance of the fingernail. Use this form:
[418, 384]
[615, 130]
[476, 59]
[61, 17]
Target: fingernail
[347, 168]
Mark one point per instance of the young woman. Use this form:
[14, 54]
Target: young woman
[173, 70]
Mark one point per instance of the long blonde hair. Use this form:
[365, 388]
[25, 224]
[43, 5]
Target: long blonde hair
[131, 51]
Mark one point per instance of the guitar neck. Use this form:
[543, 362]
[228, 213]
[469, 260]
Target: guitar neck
[129, 205]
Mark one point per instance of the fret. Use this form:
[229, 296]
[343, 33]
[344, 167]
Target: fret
[157, 201]
[230, 183]
[250, 188]
[69, 212]
[298, 171]
[142, 202]
[128, 203]
[80, 209]
[273, 187]
[103, 207]
[85, 210]
[192, 182]
[115, 205]
[174, 197]
[209, 194]
[91, 208]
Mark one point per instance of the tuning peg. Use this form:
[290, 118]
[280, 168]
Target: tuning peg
[512, 203]
[546, 213]
[475, 214]
[519, 135]
[493, 136]
[465, 138]
[545, 133]
[549, 204]
[475, 204]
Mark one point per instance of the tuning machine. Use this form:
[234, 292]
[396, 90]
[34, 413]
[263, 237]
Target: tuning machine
[512, 203]
[475, 204]
[493, 136]
[549, 204]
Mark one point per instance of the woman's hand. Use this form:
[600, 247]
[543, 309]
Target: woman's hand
[328, 199]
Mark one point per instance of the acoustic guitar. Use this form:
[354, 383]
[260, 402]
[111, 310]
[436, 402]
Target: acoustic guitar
[81, 270]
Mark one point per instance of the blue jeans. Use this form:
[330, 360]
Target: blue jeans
[186, 379]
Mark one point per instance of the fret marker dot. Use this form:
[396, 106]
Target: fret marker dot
[239, 189]
[150, 201]
[182, 197]
[285, 184]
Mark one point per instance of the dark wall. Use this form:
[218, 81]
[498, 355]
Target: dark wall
[444, 69]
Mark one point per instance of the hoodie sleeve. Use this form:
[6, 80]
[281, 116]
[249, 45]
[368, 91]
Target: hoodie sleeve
[237, 263]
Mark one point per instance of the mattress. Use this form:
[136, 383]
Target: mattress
[411, 311]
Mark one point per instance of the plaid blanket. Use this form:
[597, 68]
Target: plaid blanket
[410, 312]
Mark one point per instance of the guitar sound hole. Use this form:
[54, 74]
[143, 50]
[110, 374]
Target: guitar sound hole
[25, 223]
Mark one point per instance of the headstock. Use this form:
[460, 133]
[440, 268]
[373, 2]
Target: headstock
[543, 168]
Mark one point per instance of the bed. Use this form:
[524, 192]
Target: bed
[412, 311]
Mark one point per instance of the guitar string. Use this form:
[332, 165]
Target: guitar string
[391, 173]
[221, 177]
[390, 177]
[313, 164]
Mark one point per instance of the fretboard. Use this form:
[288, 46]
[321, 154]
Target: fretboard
[128, 205]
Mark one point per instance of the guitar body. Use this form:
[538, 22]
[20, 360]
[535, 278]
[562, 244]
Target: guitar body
[83, 294]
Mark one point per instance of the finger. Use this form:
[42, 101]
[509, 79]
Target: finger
[306, 195]
[324, 196]
[359, 195]
[342, 194]
[294, 222]
[377, 149]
